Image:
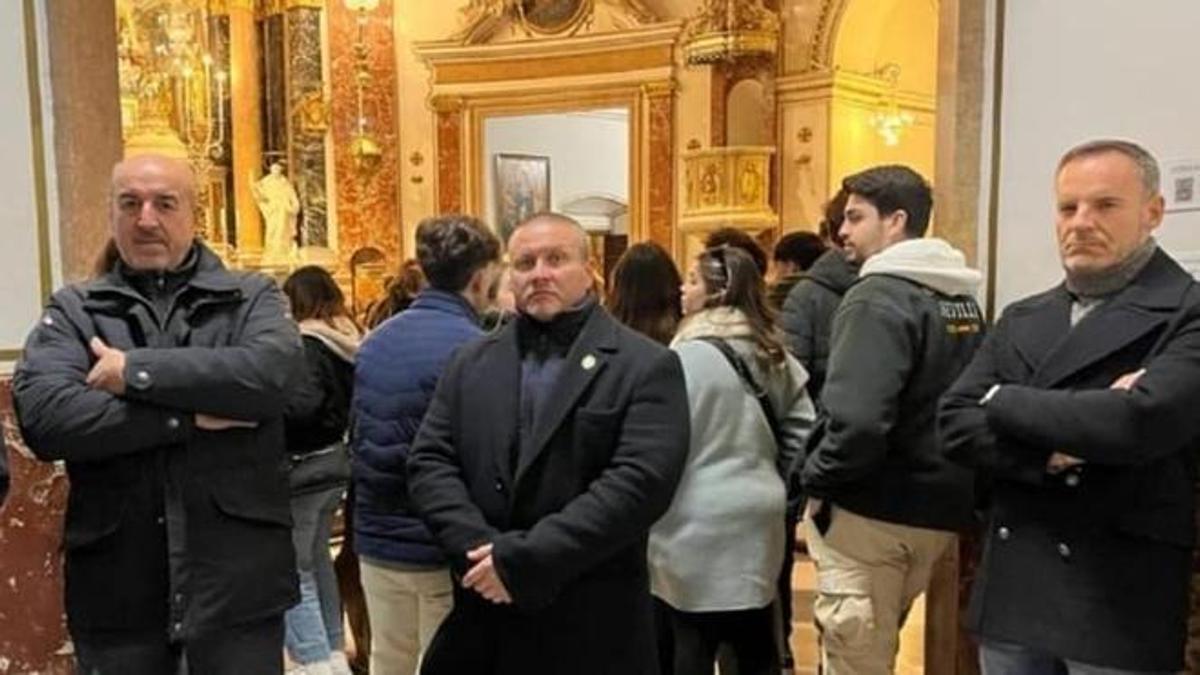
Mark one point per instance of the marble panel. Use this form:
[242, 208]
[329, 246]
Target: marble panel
[368, 208]
[309, 123]
[33, 631]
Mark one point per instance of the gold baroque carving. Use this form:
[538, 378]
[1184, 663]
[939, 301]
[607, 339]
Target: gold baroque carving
[218, 7]
[481, 18]
[446, 104]
[311, 113]
[724, 30]
[305, 4]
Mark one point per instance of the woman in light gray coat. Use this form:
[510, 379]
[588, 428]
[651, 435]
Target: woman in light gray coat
[715, 557]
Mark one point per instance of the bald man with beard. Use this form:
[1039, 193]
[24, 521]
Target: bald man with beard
[160, 384]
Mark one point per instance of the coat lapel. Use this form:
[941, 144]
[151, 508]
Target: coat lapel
[1142, 307]
[587, 358]
[500, 371]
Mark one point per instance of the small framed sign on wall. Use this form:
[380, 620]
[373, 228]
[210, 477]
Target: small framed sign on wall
[1181, 185]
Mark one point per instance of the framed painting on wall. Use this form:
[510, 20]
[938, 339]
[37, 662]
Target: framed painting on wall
[522, 189]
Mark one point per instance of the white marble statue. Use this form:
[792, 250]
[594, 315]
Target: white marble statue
[279, 204]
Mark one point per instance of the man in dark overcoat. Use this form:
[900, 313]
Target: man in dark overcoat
[1081, 406]
[161, 384]
[549, 449]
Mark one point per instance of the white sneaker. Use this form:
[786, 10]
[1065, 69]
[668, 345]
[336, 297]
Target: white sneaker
[314, 668]
[339, 664]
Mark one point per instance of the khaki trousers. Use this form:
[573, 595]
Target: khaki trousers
[405, 609]
[869, 572]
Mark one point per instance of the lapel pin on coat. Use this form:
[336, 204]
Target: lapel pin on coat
[588, 362]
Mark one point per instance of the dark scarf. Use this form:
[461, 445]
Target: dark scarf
[553, 337]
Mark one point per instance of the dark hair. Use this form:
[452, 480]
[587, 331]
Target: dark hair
[799, 248]
[314, 294]
[644, 292]
[399, 292]
[109, 255]
[731, 236]
[893, 188]
[835, 213]
[452, 248]
[731, 280]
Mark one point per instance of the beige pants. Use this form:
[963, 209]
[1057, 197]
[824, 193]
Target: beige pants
[405, 610]
[869, 572]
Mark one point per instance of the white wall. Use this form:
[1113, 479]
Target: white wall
[589, 153]
[1081, 69]
[20, 269]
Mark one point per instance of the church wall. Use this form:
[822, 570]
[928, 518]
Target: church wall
[25, 225]
[1074, 70]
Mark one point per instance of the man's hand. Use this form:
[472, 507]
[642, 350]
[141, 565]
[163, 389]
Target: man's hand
[1126, 381]
[1060, 462]
[211, 423]
[109, 372]
[482, 577]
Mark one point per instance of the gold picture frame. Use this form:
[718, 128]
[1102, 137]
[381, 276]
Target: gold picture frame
[522, 188]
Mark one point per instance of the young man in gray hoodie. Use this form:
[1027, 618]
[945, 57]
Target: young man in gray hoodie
[883, 501]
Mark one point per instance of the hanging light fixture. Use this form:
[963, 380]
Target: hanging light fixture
[363, 147]
[888, 120]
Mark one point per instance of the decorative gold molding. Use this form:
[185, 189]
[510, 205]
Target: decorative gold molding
[555, 66]
[38, 146]
[847, 86]
[242, 5]
[726, 30]
[482, 19]
[830, 18]
[272, 7]
[993, 216]
[446, 104]
[218, 7]
[659, 88]
[305, 4]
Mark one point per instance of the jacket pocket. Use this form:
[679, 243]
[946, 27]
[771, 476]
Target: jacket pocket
[254, 497]
[597, 428]
[843, 607]
[92, 517]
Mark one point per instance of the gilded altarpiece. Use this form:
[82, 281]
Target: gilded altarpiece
[611, 55]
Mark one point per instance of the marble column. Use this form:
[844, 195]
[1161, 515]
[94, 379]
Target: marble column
[87, 125]
[246, 115]
[308, 120]
[661, 169]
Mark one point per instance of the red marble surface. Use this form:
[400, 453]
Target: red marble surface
[33, 633]
[450, 161]
[368, 203]
[662, 170]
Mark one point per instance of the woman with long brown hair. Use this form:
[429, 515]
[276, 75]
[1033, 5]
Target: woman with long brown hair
[315, 422]
[716, 555]
[644, 293]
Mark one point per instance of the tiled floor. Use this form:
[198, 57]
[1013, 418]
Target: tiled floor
[911, 660]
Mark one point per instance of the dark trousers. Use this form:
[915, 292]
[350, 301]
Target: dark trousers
[249, 649]
[749, 633]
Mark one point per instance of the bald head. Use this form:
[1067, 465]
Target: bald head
[552, 218]
[153, 211]
[550, 272]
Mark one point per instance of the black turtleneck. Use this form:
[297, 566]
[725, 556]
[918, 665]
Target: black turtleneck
[543, 347]
[161, 286]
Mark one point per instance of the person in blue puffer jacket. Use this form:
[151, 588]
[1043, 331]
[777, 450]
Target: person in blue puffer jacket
[405, 577]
